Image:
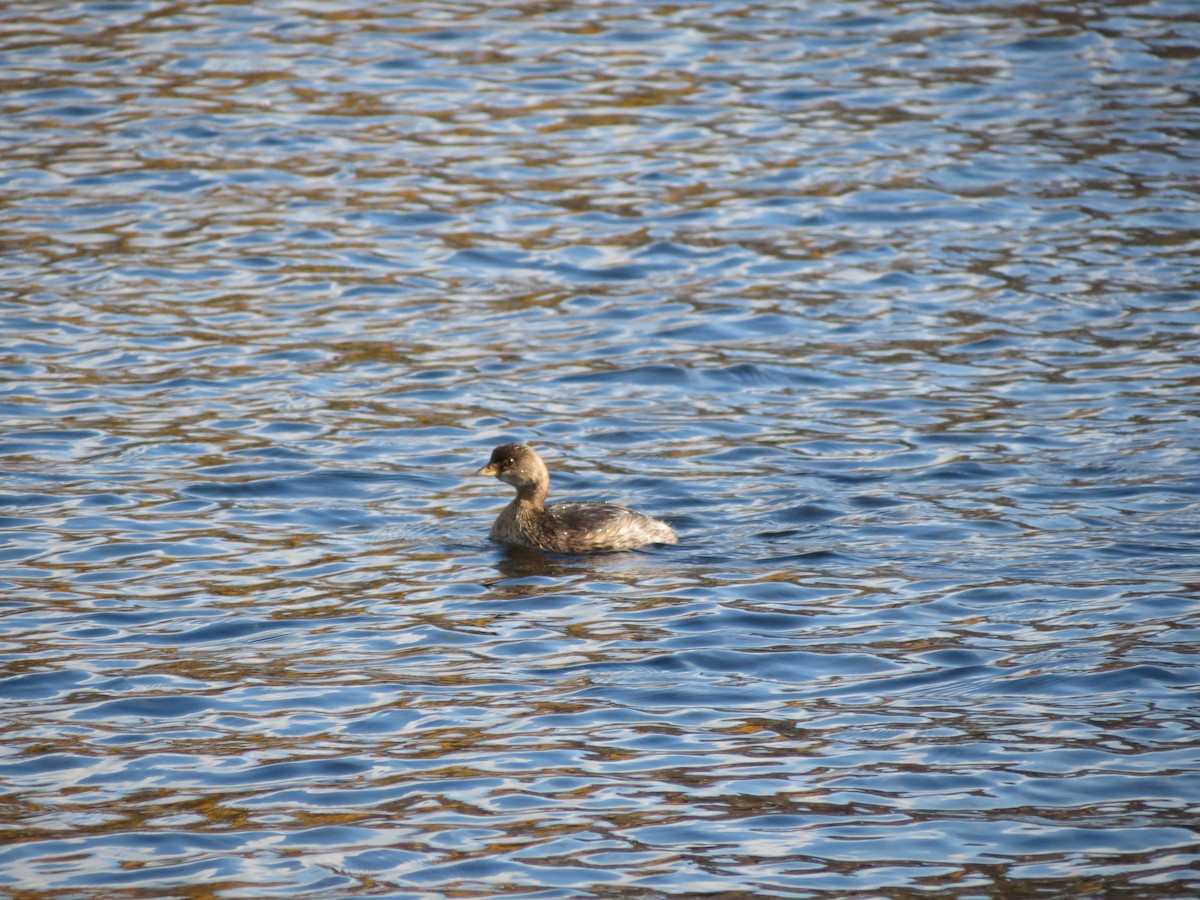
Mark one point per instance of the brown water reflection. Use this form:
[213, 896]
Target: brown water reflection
[890, 310]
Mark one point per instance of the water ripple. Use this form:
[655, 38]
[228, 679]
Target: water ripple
[891, 311]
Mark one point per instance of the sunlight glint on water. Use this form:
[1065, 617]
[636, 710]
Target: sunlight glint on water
[892, 311]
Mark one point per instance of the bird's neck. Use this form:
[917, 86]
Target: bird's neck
[533, 495]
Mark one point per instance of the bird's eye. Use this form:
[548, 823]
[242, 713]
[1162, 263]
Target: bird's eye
[508, 463]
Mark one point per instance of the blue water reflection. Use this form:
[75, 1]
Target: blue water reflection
[893, 312]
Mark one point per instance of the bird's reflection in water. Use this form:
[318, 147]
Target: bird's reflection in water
[525, 571]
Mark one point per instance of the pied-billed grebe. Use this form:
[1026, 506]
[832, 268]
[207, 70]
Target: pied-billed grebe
[562, 527]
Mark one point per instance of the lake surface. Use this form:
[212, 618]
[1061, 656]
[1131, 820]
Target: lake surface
[891, 309]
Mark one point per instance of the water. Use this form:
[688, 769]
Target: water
[892, 310]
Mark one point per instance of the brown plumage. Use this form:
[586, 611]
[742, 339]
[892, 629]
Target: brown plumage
[562, 527]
